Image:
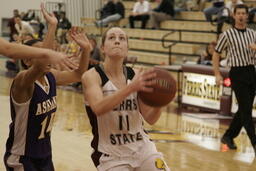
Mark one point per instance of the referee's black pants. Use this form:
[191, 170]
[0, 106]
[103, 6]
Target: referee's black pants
[243, 81]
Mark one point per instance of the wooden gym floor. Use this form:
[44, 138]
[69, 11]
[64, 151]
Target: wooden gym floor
[188, 142]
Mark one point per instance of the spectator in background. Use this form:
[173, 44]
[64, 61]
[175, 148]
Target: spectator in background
[12, 64]
[22, 15]
[215, 9]
[26, 37]
[40, 27]
[11, 25]
[206, 56]
[180, 5]
[252, 18]
[165, 11]
[95, 53]
[140, 13]
[63, 26]
[118, 14]
[71, 48]
[30, 15]
[23, 27]
[108, 9]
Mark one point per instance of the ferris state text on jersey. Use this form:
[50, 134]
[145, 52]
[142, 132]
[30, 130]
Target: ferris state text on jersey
[127, 105]
[125, 138]
[46, 106]
[121, 139]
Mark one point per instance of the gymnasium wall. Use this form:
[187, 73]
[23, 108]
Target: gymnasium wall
[81, 8]
[75, 8]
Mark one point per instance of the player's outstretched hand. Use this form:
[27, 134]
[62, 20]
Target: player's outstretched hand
[61, 61]
[79, 36]
[49, 17]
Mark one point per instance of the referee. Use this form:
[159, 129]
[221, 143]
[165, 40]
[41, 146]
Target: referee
[239, 42]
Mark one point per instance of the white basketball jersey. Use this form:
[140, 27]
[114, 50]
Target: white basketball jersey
[119, 132]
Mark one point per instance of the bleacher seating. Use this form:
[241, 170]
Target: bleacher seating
[156, 46]
[148, 42]
[250, 3]
[190, 35]
[188, 25]
[190, 15]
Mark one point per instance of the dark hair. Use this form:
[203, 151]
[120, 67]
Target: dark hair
[29, 43]
[32, 42]
[24, 66]
[241, 6]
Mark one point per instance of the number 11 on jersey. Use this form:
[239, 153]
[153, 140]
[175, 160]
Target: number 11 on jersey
[121, 119]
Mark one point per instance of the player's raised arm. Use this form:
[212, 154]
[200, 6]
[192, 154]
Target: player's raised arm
[17, 51]
[66, 77]
[25, 80]
[52, 22]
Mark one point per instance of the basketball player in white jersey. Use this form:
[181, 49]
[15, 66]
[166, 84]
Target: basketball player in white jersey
[116, 113]
[33, 104]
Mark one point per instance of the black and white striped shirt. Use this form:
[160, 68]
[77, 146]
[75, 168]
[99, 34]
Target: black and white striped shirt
[237, 42]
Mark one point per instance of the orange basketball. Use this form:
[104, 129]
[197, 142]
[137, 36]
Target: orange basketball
[164, 90]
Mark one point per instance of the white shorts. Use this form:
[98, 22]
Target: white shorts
[145, 159]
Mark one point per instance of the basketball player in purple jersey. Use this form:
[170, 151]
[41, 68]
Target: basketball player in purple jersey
[33, 104]
[116, 113]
